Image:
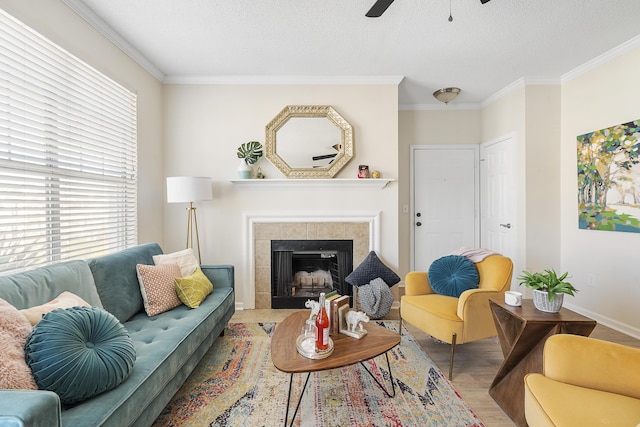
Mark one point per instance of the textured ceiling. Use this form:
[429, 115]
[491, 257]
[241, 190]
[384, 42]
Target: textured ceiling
[485, 49]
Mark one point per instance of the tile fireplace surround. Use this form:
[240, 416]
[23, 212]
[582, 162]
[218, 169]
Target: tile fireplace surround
[362, 228]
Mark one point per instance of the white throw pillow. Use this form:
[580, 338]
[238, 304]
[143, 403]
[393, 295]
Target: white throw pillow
[64, 300]
[185, 259]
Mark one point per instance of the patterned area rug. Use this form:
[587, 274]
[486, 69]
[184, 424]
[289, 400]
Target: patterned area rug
[236, 384]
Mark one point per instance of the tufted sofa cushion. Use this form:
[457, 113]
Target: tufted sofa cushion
[162, 342]
[117, 281]
[35, 287]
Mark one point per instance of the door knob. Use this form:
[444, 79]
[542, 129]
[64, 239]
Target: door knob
[505, 225]
[418, 224]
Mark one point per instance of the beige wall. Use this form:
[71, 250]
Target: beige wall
[204, 125]
[57, 22]
[604, 264]
[541, 189]
[530, 114]
[506, 117]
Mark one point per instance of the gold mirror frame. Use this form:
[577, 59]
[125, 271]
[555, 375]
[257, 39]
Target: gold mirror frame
[293, 111]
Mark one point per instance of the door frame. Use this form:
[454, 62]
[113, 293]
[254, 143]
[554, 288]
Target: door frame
[413, 148]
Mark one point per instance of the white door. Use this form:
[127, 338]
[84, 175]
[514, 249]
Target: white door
[498, 197]
[444, 201]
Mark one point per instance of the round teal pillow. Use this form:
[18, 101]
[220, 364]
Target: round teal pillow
[452, 275]
[79, 352]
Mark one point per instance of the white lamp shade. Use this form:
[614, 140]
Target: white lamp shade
[185, 189]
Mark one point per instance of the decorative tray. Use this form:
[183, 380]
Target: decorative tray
[306, 346]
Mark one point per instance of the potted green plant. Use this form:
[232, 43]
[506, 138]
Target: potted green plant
[548, 289]
[248, 153]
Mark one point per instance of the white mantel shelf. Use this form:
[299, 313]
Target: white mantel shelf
[361, 183]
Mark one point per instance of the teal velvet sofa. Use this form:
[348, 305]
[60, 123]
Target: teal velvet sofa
[168, 346]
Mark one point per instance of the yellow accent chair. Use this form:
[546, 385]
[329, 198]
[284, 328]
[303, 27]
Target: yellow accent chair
[586, 382]
[456, 320]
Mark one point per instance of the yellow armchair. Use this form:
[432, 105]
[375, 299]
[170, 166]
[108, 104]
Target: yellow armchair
[586, 382]
[456, 320]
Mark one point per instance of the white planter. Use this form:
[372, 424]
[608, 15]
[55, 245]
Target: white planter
[542, 303]
[244, 170]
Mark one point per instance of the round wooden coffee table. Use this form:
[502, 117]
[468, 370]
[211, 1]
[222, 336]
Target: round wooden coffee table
[346, 351]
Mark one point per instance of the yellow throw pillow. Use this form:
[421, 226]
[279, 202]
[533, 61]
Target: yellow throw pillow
[192, 290]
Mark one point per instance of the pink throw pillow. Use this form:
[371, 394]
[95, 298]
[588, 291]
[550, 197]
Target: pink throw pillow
[158, 288]
[14, 330]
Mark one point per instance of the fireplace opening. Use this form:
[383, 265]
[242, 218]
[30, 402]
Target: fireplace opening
[302, 269]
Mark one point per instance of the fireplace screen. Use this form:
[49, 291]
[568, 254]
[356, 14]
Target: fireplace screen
[302, 269]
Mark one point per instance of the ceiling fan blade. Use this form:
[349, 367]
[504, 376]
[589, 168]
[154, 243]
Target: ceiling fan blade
[378, 8]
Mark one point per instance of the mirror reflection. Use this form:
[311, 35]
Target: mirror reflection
[309, 141]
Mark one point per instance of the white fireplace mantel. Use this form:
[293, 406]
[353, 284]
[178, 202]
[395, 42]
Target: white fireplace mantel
[252, 218]
[377, 183]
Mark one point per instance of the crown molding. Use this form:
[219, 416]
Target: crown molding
[519, 84]
[622, 49]
[103, 28]
[284, 80]
[503, 92]
[602, 59]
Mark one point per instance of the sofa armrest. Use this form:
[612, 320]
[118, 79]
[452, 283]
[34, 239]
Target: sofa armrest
[592, 363]
[222, 276]
[33, 408]
[417, 283]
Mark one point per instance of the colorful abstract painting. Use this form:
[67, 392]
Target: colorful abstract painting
[609, 178]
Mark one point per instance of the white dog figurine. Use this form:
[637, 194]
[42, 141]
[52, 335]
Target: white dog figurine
[355, 319]
[314, 306]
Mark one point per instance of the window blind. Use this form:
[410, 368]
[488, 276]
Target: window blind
[67, 155]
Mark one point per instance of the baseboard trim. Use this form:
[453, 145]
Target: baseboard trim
[606, 321]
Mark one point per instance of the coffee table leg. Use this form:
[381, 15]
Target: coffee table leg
[299, 400]
[393, 385]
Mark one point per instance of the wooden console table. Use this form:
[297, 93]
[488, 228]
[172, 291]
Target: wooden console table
[522, 332]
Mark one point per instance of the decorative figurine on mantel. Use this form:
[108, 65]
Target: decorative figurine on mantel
[363, 171]
[353, 321]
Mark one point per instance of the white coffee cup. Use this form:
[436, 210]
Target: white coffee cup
[513, 298]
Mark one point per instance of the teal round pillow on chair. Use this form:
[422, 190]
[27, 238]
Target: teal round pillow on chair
[452, 275]
[79, 352]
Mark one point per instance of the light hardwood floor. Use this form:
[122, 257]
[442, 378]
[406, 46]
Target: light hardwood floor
[475, 363]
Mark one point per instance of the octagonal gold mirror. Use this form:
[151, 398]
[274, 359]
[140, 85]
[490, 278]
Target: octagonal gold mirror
[309, 141]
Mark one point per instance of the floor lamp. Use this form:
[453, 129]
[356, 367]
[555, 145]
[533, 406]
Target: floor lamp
[189, 189]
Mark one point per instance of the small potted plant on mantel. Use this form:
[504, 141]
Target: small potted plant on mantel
[548, 289]
[249, 153]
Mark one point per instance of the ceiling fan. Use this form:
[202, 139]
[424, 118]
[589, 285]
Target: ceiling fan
[380, 6]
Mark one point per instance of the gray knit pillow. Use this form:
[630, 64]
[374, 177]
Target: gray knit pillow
[375, 298]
